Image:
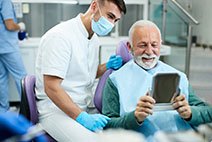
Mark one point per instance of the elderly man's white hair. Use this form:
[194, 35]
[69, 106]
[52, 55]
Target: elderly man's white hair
[142, 23]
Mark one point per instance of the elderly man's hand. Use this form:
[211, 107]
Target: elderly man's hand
[144, 107]
[182, 107]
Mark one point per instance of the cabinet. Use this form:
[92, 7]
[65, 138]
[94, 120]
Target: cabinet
[28, 50]
[108, 47]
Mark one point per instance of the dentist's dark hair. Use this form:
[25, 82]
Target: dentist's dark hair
[120, 3]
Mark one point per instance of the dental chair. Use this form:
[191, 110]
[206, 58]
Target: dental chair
[28, 106]
[124, 52]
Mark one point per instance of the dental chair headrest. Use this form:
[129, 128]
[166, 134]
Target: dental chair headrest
[123, 51]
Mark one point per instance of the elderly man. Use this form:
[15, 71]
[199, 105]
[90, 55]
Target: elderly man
[126, 98]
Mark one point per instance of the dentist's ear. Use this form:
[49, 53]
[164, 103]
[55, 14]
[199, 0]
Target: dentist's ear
[94, 6]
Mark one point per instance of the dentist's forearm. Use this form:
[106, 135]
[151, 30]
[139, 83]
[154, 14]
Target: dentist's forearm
[59, 97]
[101, 70]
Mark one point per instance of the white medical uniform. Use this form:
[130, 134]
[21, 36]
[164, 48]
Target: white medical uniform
[65, 51]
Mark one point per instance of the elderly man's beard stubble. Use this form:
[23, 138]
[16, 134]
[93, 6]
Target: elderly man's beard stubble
[145, 61]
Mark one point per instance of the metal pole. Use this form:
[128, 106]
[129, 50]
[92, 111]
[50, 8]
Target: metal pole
[188, 51]
[164, 20]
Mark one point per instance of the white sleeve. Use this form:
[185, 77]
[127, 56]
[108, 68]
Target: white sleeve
[56, 56]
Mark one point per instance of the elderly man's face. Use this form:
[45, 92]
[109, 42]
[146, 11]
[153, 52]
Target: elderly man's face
[146, 42]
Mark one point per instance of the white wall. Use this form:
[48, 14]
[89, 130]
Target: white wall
[202, 11]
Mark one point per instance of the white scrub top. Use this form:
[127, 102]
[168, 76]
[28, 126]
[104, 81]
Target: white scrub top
[8, 39]
[65, 51]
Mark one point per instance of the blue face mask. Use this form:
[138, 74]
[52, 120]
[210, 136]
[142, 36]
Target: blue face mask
[102, 27]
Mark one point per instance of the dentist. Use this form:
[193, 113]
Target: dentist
[66, 67]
